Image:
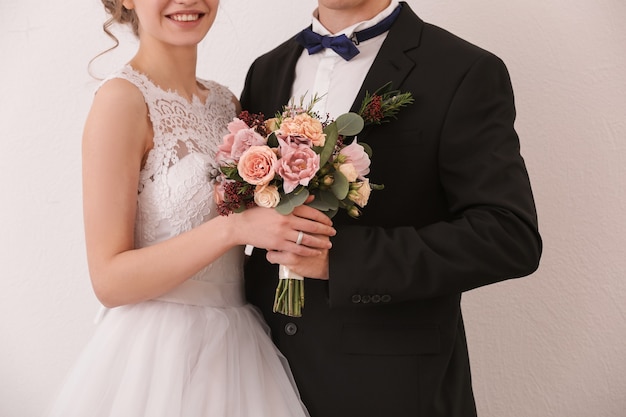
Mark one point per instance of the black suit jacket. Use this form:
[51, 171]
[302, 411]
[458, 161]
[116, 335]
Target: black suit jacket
[384, 336]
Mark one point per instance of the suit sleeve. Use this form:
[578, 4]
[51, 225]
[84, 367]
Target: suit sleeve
[491, 232]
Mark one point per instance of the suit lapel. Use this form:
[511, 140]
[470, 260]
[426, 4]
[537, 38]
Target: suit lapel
[392, 62]
[286, 72]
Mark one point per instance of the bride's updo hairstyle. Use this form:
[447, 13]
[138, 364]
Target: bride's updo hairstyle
[120, 15]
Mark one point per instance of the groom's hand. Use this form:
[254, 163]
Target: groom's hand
[308, 266]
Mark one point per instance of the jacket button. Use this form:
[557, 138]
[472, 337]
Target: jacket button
[366, 299]
[385, 298]
[356, 298]
[376, 298]
[291, 329]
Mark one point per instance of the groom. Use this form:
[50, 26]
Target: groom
[382, 331]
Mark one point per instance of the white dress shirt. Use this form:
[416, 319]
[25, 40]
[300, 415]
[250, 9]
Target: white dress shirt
[332, 78]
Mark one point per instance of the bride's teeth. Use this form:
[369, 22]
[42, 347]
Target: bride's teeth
[185, 17]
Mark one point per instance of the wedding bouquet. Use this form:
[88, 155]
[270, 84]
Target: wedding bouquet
[281, 161]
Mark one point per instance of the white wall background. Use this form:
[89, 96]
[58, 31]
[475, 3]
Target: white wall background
[553, 344]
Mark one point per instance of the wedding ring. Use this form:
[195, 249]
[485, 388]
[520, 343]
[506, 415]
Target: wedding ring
[300, 236]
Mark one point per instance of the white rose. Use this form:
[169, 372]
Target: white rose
[266, 196]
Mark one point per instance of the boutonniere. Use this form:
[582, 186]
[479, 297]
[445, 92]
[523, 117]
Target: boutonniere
[383, 104]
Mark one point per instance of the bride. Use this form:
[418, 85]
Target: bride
[178, 338]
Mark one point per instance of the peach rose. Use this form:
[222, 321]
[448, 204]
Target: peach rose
[305, 125]
[256, 165]
[271, 124]
[360, 193]
[266, 196]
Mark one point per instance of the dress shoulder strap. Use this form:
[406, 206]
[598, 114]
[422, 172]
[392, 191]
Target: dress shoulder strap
[136, 78]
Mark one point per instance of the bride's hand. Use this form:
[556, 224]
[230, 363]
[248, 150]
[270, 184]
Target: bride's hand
[268, 229]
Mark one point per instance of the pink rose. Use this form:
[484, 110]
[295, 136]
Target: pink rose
[304, 125]
[297, 165]
[244, 139]
[226, 147]
[356, 155]
[218, 193]
[240, 138]
[256, 165]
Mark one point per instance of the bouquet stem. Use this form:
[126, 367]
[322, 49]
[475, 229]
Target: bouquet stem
[289, 298]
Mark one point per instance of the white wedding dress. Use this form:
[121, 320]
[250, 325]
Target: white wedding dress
[200, 350]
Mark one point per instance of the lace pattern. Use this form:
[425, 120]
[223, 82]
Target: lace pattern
[174, 190]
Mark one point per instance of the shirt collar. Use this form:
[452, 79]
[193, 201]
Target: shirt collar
[349, 31]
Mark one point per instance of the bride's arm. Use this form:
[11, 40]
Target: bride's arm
[116, 137]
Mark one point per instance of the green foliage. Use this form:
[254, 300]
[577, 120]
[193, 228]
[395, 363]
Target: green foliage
[290, 201]
[349, 124]
[332, 134]
[325, 200]
[340, 186]
[386, 102]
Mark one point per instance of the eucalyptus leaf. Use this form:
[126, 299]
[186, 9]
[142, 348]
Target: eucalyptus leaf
[349, 124]
[320, 205]
[329, 146]
[290, 201]
[324, 200]
[340, 186]
[272, 140]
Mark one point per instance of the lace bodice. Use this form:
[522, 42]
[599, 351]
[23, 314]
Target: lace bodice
[174, 192]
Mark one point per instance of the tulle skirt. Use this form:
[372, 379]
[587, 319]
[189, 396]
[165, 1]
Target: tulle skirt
[164, 359]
